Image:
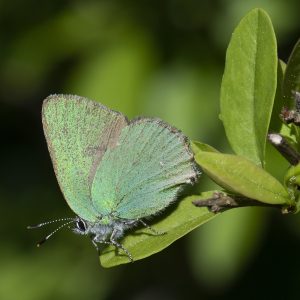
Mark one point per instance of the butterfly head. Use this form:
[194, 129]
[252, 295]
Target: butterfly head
[81, 226]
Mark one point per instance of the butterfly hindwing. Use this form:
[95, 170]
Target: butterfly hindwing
[79, 132]
[144, 172]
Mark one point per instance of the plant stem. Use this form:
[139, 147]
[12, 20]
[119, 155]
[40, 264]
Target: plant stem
[220, 202]
[285, 149]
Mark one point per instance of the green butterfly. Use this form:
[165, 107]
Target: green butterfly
[114, 173]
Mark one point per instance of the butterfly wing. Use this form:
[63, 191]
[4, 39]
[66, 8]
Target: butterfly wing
[78, 133]
[144, 172]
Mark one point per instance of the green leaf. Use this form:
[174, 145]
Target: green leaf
[249, 85]
[142, 242]
[276, 123]
[199, 146]
[292, 178]
[291, 133]
[291, 81]
[240, 175]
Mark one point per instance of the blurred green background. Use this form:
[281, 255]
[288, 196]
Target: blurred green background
[151, 58]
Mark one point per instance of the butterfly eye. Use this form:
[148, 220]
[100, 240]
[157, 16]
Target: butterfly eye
[81, 225]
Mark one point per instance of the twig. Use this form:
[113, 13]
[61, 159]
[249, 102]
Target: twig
[220, 202]
[285, 149]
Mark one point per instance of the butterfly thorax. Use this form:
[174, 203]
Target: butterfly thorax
[102, 229]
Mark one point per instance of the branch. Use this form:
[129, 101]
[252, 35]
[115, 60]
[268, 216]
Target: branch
[221, 202]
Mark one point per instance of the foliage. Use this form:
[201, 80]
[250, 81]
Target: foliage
[247, 95]
[166, 60]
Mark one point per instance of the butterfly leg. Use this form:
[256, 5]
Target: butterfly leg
[137, 221]
[95, 241]
[111, 242]
[118, 245]
[96, 245]
[150, 228]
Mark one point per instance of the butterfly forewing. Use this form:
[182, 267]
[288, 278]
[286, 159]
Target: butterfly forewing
[144, 172]
[79, 132]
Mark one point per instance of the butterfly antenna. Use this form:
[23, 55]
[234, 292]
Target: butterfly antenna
[49, 222]
[50, 234]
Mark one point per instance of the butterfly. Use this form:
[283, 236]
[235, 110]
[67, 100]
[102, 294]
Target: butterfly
[113, 173]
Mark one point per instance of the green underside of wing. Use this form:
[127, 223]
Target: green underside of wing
[78, 131]
[144, 173]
